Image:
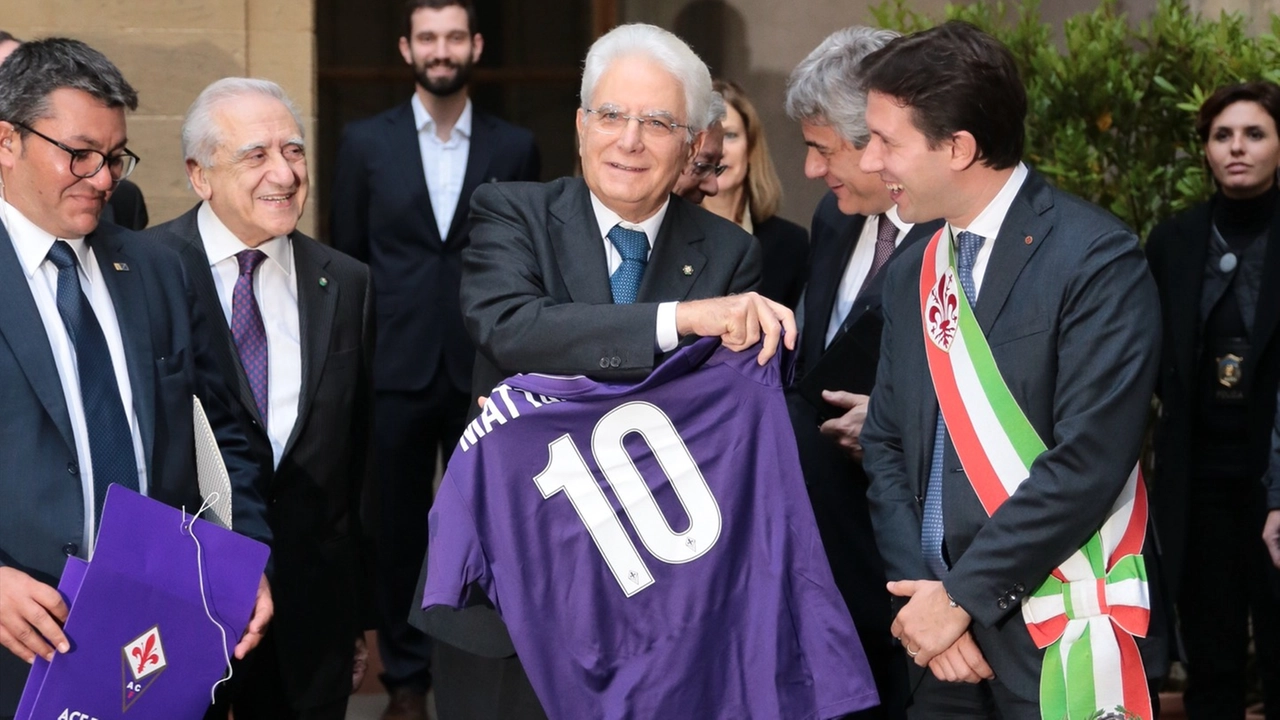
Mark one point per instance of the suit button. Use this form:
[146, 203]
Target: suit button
[1019, 588]
[70, 549]
[604, 363]
[73, 468]
[615, 362]
[1003, 603]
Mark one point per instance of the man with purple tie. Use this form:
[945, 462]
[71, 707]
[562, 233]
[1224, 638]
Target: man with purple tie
[293, 335]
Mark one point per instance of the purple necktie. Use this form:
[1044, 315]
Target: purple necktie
[247, 329]
[886, 234]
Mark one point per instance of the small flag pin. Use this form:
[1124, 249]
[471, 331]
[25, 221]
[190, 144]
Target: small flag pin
[1028, 240]
[324, 282]
[687, 270]
[121, 267]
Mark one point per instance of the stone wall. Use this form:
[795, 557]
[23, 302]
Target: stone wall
[170, 50]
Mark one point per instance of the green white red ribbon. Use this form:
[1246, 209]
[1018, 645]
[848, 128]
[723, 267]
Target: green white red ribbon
[1086, 614]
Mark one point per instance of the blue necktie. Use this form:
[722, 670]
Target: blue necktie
[110, 442]
[931, 531]
[247, 330]
[633, 245]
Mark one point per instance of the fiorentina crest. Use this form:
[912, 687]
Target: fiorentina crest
[942, 312]
[141, 662]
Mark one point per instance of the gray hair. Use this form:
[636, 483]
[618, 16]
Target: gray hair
[662, 47]
[37, 68]
[826, 88]
[716, 112]
[201, 134]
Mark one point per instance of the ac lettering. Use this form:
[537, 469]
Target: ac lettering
[69, 714]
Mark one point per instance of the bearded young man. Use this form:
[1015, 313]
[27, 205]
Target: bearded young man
[402, 188]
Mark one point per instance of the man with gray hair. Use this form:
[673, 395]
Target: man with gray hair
[602, 276]
[101, 350]
[698, 180]
[293, 333]
[856, 234]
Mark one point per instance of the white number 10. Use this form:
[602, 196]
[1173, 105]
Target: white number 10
[566, 471]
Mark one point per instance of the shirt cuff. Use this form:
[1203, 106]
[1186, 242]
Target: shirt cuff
[667, 338]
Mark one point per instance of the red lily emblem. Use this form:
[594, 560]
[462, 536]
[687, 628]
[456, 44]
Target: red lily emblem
[942, 312]
[145, 654]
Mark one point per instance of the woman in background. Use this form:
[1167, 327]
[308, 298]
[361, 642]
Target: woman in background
[749, 193]
[1217, 266]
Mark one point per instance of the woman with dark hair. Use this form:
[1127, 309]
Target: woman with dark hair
[749, 194]
[1218, 269]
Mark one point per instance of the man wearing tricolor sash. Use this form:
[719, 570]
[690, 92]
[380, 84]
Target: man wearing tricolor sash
[1003, 434]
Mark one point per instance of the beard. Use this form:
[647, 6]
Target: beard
[444, 86]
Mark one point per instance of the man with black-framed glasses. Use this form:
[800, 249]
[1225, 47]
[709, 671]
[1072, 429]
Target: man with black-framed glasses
[101, 349]
[126, 206]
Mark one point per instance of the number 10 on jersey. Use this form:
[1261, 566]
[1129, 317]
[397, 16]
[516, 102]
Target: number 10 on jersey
[568, 472]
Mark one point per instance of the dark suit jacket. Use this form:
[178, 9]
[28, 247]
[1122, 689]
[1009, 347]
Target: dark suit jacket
[320, 581]
[834, 237]
[1272, 480]
[382, 216]
[1067, 306]
[126, 207]
[535, 291]
[1176, 250]
[166, 345]
[785, 249]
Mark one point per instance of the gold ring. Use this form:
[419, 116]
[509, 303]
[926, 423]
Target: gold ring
[910, 652]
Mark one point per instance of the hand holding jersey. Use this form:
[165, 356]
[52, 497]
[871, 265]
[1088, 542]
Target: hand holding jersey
[740, 321]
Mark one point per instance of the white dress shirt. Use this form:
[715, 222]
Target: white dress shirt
[988, 222]
[275, 286]
[855, 273]
[443, 161]
[666, 337]
[32, 245]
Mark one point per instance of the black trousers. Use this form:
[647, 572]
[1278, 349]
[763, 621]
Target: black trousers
[934, 699]
[411, 430]
[256, 691]
[1228, 580]
[471, 687]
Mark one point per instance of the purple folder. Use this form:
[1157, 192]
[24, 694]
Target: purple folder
[142, 645]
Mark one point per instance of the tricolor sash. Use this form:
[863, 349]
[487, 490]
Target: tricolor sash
[1086, 614]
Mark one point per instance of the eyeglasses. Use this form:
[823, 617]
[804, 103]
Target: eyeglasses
[86, 163]
[612, 122]
[702, 169]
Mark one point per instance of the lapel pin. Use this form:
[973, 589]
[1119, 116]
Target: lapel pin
[324, 282]
[121, 267]
[687, 270]
[1027, 240]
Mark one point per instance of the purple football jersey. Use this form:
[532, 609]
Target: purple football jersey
[651, 547]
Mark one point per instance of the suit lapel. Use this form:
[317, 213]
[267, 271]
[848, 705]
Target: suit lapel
[128, 295]
[1264, 323]
[23, 331]
[200, 275]
[579, 249]
[407, 154]
[1186, 284]
[820, 298]
[676, 260]
[317, 305]
[1024, 230]
[479, 151]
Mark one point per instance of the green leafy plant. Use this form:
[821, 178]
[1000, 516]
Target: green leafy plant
[1111, 102]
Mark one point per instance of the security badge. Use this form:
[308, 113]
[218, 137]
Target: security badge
[1229, 370]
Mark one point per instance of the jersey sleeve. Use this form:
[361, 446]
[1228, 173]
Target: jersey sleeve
[455, 558]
